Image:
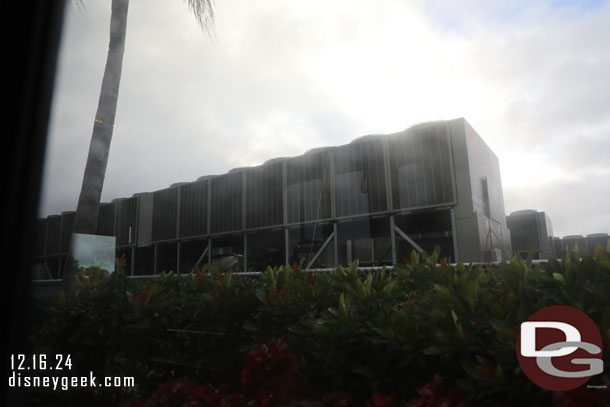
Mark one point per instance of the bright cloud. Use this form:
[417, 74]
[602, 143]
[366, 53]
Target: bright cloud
[282, 77]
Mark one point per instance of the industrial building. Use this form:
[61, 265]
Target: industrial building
[531, 230]
[573, 242]
[375, 199]
[584, 243]
[595, 239]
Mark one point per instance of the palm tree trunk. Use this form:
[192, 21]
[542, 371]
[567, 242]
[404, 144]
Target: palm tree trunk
[85, 220]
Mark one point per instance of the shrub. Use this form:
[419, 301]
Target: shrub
[427, 328]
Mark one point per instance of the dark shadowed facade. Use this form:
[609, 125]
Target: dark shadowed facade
[584, 243]
[531, 230]
[375, 199]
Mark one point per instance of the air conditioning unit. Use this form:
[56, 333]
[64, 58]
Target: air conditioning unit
[493, 255]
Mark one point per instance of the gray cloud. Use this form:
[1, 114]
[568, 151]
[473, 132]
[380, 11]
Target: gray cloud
[282, 77]
[574, 206]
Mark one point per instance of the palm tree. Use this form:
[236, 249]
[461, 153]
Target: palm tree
[85, 220]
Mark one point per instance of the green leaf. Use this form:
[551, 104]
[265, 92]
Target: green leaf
[131, 298]
[389, 286]
[414, 257]
[559, 277]
[499, 373]
[361, 370]
[261, 295]
[508, 333]
[321, 330]
[437, 349]
[344, 305]
[443, 291]
[496, 310]
[499, 324]
[472, 291]
[250, 326]
[606, 322]
[455, 318]
[368, 284]
[360, 290]
[458, 326]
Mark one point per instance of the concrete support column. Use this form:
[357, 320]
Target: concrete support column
[132, 270]
[336, 242]
[155, 271]
[393, 239]
[287, 246]
[178, 258]
[454, 236]
[245, 252]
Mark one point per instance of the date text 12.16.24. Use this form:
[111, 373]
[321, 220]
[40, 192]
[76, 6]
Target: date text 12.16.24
[40, 362]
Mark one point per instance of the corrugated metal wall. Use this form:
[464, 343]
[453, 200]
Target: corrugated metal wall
[66, 231]
[264, 195]
[308, 187]
[226, 210]
[126, 219]
[41, 230]
[360, 183]
[165, 207]
[524, 232]
[194, 209]
[420, 168]
[53, 235]
[105, 221]
[321, 185]
[596, 239]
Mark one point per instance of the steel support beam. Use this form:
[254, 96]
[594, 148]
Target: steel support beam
[207, 248]
[408, 239]
[319, 252]
[45, 266]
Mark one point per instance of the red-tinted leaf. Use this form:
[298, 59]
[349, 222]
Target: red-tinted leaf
[142, 298]
[381, 400]
[337, 399]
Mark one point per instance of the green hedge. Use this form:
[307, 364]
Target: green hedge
[360, 333]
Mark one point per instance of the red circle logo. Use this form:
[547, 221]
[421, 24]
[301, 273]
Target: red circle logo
[559, 348]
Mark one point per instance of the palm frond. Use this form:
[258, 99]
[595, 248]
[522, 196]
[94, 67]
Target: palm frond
[78, 3]
[204, 13]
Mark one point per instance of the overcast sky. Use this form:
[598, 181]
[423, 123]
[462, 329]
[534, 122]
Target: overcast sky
[280, 77]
